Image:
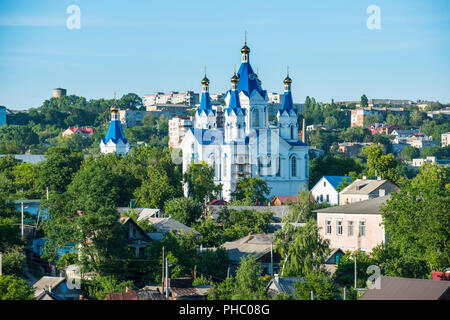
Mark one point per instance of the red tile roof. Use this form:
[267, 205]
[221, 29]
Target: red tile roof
[129, 295]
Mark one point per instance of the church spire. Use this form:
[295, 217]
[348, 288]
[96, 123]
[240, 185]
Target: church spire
[245, 51]
[234, 103]
[205, 102]
[288, 104]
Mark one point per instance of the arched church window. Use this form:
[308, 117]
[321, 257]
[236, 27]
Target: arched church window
[293, 166]
[255, 118]
[239, 131]
[292, 132]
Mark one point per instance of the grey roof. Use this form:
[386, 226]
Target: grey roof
[393, 288]
[144, 213]
[258, 244]
[29, 158]
[371, 206]
[274, 226]
[169, 224]
[277, 211]
[45, 282]
[285, 284]
[366, 186]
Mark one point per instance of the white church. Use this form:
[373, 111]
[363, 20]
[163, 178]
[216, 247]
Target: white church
[246, 145]
[115, 141]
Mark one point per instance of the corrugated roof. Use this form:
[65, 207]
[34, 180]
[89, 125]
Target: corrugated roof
[169, 224]
[371, 206]
[393, 288]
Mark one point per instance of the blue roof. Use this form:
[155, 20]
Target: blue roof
[336, 180]
[234, 103]
[296, 143]
[288, 104]
[248, 82]
[115, 133]
[205, 103]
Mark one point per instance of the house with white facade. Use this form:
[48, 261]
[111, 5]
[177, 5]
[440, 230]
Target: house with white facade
[246, 145]
[325, 189]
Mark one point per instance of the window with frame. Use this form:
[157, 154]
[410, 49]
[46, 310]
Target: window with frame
[339, 227]
[350, 228]
[328, 198]
[293, 166]
[362, 228]
[255, 118]
[327, 226]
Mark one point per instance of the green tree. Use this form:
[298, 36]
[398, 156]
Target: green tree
[240, 223]
[183, 210]
[301, 248]
[345, 271]
[14, 288]
[9, 233]
[130, 101]
[57, 171]
[99, 287]
[223, 290]
[249, 286]
[320, 284]
[382, 165]
[156, 189]
[200, 182]
[253, 188]
[14, 261]
[417, 221]
[211, 231]
[364, 103]
[409, 152]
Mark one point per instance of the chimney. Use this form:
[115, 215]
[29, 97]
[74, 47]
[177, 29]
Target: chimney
[304, 131]
[382, 192]
[364, 177]
[379, 178]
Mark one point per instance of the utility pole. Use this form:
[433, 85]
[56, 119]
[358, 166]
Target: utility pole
[0, 264]
[162, 278]
[312, 295]
[22, 219]
[271, 259]
[345, 293]
[228, 272]
[167, 278]
[356, 275]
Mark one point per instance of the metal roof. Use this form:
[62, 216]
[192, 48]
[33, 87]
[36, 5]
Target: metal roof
[371, 206]
[393, 288]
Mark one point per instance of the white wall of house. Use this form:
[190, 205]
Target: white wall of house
[323, 191]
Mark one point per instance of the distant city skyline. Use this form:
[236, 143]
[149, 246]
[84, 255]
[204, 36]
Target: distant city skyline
[150, 46]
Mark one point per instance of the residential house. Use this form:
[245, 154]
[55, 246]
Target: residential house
[142, 294]
[445, 139]
[352, 148]
[394, 288]
[278, 212]
[137, 238]
[382, 128]
[317, 126]
[325, 189]
[353, 226]
[39, 245]
[165, 225]
[49, 288]
[332, 260]
[143, 213]
[364, 189]
[183, 289]
[444, 112]
[283, 285]
[259, 245]
[284, 200]
[84, 132]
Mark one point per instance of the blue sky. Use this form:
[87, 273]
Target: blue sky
[147, 46]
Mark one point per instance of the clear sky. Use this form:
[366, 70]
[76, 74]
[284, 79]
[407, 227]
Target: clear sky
[147, 46]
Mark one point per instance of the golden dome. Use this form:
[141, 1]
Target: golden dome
[287, 80]
[245, 49]
[235, 78]
[205, 81]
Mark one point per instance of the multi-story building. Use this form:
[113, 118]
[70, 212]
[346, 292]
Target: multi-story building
[353, 226]
[274, 97]
[247, 145]
[59, 92]
[358, 114]
[188, 98]
[444, 112]
[445, 139]
[130, 118]
[364, 189]
[178, 126]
